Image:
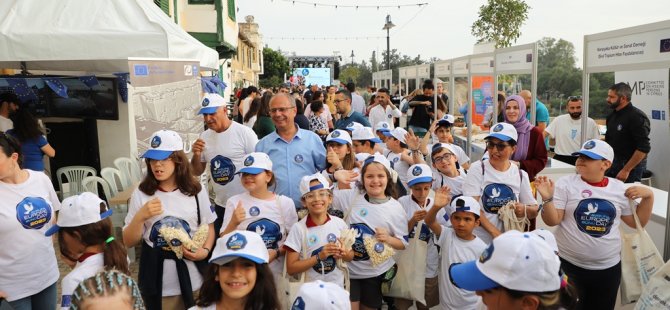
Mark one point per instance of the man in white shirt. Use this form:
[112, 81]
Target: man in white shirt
[383, 110]
[9, 103]
[357, 101]
[566, 130]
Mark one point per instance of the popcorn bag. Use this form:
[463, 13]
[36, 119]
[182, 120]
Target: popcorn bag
[379, 252]
[176, 237]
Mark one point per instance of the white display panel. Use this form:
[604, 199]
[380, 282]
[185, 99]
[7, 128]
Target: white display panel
[309, 76]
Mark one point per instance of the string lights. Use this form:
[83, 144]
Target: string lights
[323, 38]
[355, 6]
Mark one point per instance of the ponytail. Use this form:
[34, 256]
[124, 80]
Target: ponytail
[115, 255]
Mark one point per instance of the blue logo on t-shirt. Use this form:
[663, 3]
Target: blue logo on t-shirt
[223, 170]
[299, 304]
[495, 196]
[156, 142]
[486, 255]
[425, 234]
[33, 212]
[254, 211]
[169, 221]
[595, 216]
[312, 240]
[269, 231]
[328, 263]
[362, 229]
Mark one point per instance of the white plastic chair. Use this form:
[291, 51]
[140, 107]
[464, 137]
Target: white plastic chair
[113, 178]
[73, 177]
[130, 171]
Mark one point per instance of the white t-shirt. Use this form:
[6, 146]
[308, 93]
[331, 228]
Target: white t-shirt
[432, 257]
[463, 158]
[455, 185]
[210, 307]
[365, 217]
[271, 221]
[456, 250]
[358, 103]
[568, 133]
[82, 271]
[250, 123]
[495, 189]
[178, 210]
[225, 152]
[400, 166]
[5, 124]
[316, 238]
[27, 259]
[245, 105]
[381, 114]
[588, 236]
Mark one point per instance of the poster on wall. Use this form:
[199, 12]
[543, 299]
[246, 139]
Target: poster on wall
[650, 94]
[482, 97]
[309, 76]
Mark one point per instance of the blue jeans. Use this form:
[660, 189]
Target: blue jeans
[46, 299]
[634, 176]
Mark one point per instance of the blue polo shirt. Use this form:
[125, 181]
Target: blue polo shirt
[291, 160]
[353, 116]
[541, 113]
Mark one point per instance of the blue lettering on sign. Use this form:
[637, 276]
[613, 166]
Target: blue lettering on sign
[141, 70]
[269, 231]
[328, 263]
[222, 169]
[33, 212]
[169, 221]
[362, 229]
[595, 216]
[496, 195]
[425, 234]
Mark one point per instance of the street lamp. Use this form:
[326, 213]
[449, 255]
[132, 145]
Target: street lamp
[352, 57]
[388, 27]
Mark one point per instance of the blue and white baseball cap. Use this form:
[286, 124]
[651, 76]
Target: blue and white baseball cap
[514, 260]
[439, 146]
[319, 295]
[382, 126]
[379, 158]
[211, 102]
[446, 120]
[362, 156]
[419, 173]
[596, 149]
[464, 203]
[365, 134]
[504, 132]
[339, 136]
[162, 144]
[398, 133]
[306, 188]
[80, 210]
[256, 163]
[353, 126]
[240, 243]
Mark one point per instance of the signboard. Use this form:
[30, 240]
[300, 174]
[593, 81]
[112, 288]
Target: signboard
[152, 72]
[310, 76]
[521, 60]
[460, 66]
[443, 68]
[480, 65]
[423, 71]
[637, 48]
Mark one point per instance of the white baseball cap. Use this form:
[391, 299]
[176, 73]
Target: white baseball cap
[398, 133]
[464, 203]
[504, 132]
[162, 144]
[548, 237]
[419, 173]
[306, 188]
[353, 126]
[340, 136]
[364, 134]
[514, 260]
[319, 295]
[240, 243]
[379, 158]
[447, 119]
[256, 163]
[211, 102]
[596, 149]
[80, 210]
[362, 156]
[382, 126]
[438, 146]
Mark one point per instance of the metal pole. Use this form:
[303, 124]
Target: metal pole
[388, 49]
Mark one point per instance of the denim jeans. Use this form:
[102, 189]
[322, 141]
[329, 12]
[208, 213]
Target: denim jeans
[46, 299]
[634, 176]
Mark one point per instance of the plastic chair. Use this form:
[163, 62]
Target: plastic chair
[130, 171]
[646, 178]
[113, 178]
[73, 177]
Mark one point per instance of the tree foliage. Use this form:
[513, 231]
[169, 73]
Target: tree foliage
[275, 65]
[500, 22]
[398, 60]
[558, 75]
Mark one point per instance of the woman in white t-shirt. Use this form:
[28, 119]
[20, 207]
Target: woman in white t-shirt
[497, 181]
[27, 209]
[588, 209]
[169, 196]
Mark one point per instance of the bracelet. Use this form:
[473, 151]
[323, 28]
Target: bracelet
[339, 168]
[548, 200]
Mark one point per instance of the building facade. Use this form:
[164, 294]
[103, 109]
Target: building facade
[247, 64]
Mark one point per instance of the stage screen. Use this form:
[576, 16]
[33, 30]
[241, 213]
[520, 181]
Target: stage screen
[308, 76]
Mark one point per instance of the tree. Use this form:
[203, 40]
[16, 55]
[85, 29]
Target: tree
[349, 73]
[558, 76]
[275, 65]
[397, 60]
[374, 65]
[500, 22]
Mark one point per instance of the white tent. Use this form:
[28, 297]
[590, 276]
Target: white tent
[92, 35]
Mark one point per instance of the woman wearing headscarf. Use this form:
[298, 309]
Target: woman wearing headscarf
[530, 154]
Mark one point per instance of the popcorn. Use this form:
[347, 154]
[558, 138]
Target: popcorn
[378, 251]
[176, 237]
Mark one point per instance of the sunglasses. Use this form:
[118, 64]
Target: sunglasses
[574, 98]
[499, 146]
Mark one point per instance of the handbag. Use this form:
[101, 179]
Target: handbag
[288, 286]
[640, 259]
[409, 282]
[656, 294]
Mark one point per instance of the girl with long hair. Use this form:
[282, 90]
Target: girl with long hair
[340, 154]
[34, 144]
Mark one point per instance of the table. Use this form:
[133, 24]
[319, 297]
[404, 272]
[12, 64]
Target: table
[123, 197]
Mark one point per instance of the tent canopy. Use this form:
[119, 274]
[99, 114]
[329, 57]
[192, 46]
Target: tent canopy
[92, 35]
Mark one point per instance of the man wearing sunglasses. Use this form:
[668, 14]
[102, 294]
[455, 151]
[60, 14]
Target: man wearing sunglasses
[566, 130]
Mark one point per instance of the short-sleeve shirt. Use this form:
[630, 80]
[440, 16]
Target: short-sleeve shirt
[456, 250]
[568, 133]
[353, 116]
[32, 152]
[82, 271]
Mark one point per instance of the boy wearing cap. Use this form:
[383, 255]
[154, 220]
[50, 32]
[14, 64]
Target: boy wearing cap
[380, 128]
[398, 155]
[458, 243]
[442, 130]
[416, 206]
[320, 233]
[364, 141]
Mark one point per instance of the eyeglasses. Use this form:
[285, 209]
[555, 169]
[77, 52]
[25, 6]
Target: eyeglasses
[499, 146]
[338, 100]
[574, 98]
[443, 157]
[321, 195]
[280, 110]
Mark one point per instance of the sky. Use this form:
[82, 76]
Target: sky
[440, 29]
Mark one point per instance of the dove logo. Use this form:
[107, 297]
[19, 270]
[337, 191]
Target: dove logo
[417, 171]
[222, 170]
[169, 221]
[495, 196]
[619, 127]
[33, 212]
[205, 102]
[312, 240]
[595, 216]
[269, 231]
[254, 211]
[385, 125]
[363, 212]
[379, 247]
[498, 128]
[248, 161]
[155, 142]
[362, 229]
[335, 134]
[236, 242]
[586, 193]
[589, 145]
[486, 255]
[298, 158]
[328, 264]
[331, 238]
[305, 72]
[299, 304]
[389, 116]
[573, 134]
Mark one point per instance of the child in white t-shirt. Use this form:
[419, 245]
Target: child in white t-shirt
[458, 245]
[447, 173]
[416, 207]
[442, 130]
[313, 244]
[85, 234]
[399, 156]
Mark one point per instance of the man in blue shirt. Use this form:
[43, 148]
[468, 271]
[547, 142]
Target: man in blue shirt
[294, 152]
[541, 113]
[347, 114]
